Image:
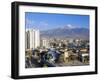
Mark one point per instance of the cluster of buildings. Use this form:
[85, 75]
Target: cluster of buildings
[33, 39]
[70, 48]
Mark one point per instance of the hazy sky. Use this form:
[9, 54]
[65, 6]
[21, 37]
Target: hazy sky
[45, 21]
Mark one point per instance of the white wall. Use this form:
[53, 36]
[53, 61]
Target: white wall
[5, 40]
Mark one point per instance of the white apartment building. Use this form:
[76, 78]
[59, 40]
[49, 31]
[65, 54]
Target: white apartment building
[45, 42]
[32, 38]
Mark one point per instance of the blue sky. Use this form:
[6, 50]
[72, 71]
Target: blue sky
[45, 21]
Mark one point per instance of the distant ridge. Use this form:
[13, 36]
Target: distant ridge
[66, 32]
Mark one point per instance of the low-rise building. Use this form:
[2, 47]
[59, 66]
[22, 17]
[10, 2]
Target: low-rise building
[84, 57]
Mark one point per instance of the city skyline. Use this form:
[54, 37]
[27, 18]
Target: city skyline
[46, 21]
[65, 43]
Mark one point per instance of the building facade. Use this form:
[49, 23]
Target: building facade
[32, 39]
[45, 42]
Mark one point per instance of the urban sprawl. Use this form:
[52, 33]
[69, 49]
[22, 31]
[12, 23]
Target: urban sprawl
[54, 52]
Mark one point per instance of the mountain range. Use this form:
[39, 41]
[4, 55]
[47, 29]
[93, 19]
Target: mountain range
[66, 32]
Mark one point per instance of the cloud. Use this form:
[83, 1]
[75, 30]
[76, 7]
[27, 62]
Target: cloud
[71, 26]
[42, 25]
[29, 23]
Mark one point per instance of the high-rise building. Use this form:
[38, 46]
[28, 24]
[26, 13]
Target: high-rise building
[32, 38]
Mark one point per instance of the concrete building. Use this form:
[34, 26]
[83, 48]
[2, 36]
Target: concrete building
[45, 42]
[84, 57]
[32, 38]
